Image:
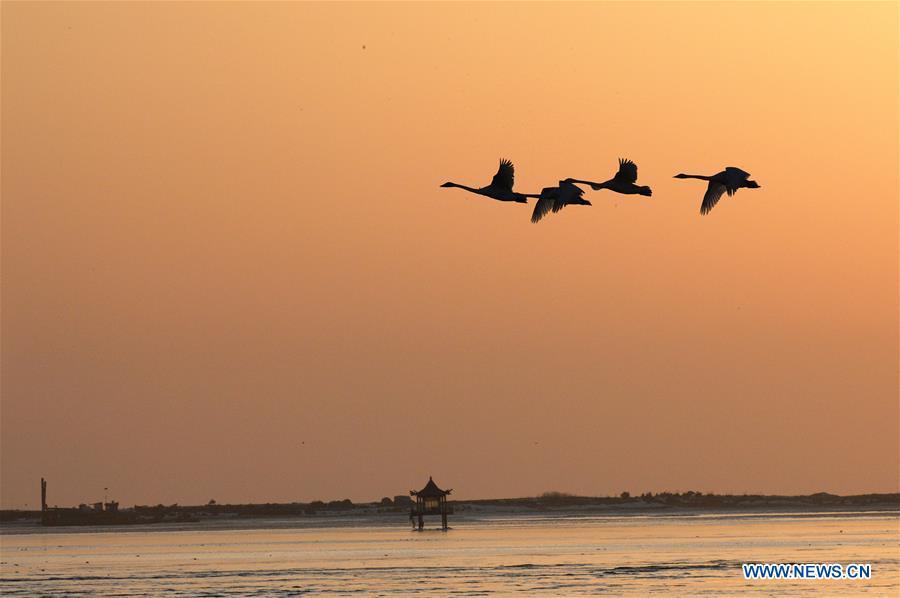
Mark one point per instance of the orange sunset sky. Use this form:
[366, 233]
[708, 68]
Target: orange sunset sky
[229, 272]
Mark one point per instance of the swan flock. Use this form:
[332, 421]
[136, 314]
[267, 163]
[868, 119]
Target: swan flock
[567, 192]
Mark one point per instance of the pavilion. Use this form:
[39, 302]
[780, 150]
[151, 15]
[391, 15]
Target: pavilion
[430, 500]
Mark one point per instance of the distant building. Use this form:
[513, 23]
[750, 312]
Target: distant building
[98, 513]
[402, 500]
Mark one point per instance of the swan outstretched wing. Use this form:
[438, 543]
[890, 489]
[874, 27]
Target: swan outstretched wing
[545, 203]
[627, 171]
[505, 176]
[542, 208]
[737, 172]
[713, 193]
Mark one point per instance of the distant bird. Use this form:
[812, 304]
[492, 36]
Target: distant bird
[501, 187]
[556, 198]
[731, 179]
[623, 182]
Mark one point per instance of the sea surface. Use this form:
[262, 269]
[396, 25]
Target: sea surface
[483, 553]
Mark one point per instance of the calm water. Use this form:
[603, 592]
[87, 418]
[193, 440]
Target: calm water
[687, 554]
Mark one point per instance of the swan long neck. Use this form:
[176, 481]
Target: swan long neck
[579, 182]
[470, 189]
[692, 176]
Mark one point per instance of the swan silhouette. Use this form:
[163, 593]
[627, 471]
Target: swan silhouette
[731, 179]
[556, 198]
[501, 187]
[623, 182]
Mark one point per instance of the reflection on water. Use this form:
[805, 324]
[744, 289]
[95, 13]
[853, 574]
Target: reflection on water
[684, 554]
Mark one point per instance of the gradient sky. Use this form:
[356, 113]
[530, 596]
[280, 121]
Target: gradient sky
[228, 270]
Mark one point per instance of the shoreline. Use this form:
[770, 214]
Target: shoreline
[562, 507]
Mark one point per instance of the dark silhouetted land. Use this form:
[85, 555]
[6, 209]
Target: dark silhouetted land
[548, 502]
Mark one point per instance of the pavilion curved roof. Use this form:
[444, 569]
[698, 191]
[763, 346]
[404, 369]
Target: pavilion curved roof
[430, 490]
